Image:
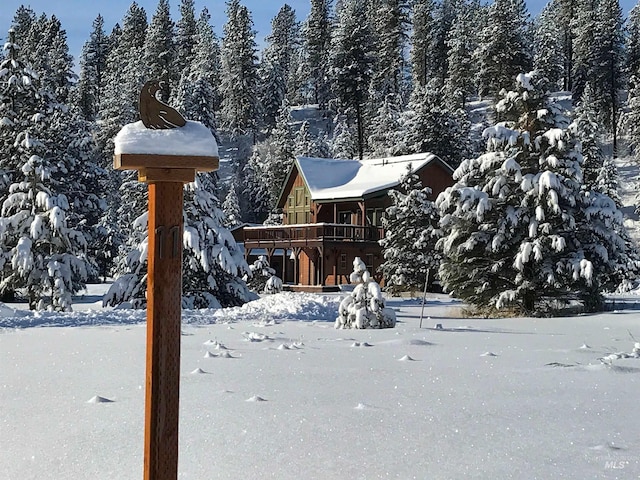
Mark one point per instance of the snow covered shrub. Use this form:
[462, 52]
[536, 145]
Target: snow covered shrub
[273, 285]
[365, 306]
[262, 277]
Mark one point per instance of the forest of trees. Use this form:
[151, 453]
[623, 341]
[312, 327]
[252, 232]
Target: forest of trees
[379, 78]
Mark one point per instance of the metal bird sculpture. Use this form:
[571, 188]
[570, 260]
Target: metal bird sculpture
[156, 114]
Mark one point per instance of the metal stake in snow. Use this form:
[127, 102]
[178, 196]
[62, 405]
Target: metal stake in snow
[166, 158]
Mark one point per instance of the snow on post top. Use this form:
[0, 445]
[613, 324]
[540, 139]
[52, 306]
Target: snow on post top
[194, 139]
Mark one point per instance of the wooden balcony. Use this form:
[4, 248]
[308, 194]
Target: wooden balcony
[316, 234]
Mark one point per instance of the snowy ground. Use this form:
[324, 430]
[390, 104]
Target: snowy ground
[488, 399]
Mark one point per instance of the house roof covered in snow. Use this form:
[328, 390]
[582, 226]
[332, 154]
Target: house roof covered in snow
[336, 179]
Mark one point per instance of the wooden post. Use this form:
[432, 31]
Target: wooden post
[164, 297]
[165, 175]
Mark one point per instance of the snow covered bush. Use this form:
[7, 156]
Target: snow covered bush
[262, 277]
[273, 285]
[365, 306]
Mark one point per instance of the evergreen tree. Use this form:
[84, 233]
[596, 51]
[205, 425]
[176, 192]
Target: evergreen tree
[213, 264]
[239, 71]
[255, 200]
[410, 236]
[609, 61]
[309, 145]
[390, 27]
[589, 131]
[630, 120]
[231, 208]
[344, 143]
[261, 274]
[422, 41]
[93, 63]
[198, 96]
[504, 50]
[316, 38]
[160, 50]
[272, 90]
[47, 53]
[461, 44]
[282, 48]
[547, 45]
[428, 125]
[518, 228]
[280, 156]
[632, 61]
[446, 15]
[584, 48]
[186, 37]
[351, 62]
[39, 254]
[124, 76]
[385, 126]
[566, 25]
[23, 20]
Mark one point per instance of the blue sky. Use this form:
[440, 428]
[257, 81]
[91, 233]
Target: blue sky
[77, 15]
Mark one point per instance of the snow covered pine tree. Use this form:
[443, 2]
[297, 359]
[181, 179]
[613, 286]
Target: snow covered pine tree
[519, 229]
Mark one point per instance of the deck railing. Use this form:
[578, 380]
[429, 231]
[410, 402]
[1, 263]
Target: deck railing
[314, 231]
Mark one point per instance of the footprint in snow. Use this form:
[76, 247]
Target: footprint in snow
[364, 406]
[361, 344]
[407, 358]
[255, 337]
[488, 354]
[99, 399]
[198, 371]
[256, 398]
[585, 347]
[215, 344]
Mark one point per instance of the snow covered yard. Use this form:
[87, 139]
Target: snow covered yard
[272, 390]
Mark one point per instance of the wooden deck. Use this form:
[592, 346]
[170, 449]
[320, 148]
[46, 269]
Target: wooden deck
[311, 235]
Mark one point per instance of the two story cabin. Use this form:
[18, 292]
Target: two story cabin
[333, 213]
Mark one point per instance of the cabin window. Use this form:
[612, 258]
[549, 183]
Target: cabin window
[375, 215]
[369, 262]
[344, 217]
[343, 261]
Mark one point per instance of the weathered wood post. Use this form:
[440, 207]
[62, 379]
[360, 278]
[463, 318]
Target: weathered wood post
[166, 158]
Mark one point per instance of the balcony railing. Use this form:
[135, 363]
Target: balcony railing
[313, 232]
